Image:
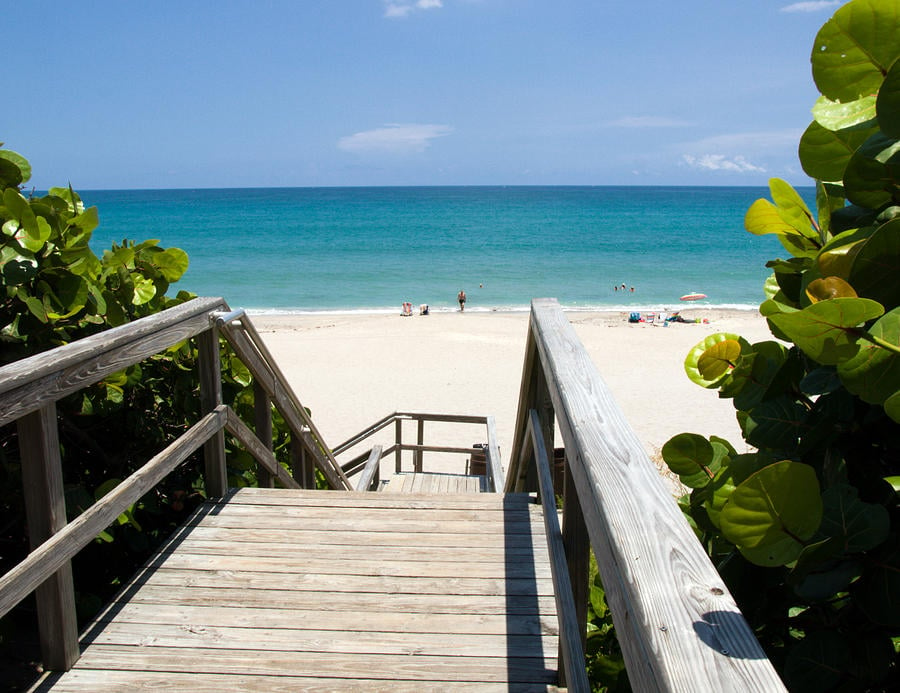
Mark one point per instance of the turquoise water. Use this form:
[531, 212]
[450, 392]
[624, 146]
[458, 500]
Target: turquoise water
[370, 249]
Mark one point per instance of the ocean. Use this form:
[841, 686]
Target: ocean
[371, 249]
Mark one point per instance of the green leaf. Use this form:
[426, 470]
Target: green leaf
[873, 373]
[16, 269]
[888, 103]
[14, 169]
[711, 361]
[776, 424]
[872, 176]
[828, 331]
[144, 290]
[876, 265]
[771, 515]
[824, 154]
[892, 407]
[817, 663]
[858, 526]
[835, 115]
[792, 208]
[172, 263]
[739, 467]
[763, 218]
[691, 457]
[854, 49]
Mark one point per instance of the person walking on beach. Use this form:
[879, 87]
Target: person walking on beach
[461, 297]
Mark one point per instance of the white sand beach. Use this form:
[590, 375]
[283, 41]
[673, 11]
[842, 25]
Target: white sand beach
[351, 370]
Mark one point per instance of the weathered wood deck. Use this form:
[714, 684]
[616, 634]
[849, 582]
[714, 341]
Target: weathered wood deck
[285, 590]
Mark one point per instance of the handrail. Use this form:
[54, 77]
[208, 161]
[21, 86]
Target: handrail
[678, 626]
[494, 471]
[29, 390]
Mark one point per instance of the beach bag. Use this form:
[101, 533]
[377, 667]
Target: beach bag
[634, 317]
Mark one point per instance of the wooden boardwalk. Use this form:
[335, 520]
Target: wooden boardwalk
[283, 590]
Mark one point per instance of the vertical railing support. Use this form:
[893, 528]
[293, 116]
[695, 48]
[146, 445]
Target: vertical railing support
[262, 415]
[216, 473]
[577, 546]
[420, 439]
[45, 507]
[398, 439]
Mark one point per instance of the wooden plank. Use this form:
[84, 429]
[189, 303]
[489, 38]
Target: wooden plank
[185, 560]
[260, 637]
[333, 584]
[344, 499]
[53, 553]
[29, 383]
[45, 510]
[313, 619]
[495, 469]
[215, 472]
[255, 447]
[262, 425]
[370, 477]
[573, 674]
[659, 582]
[379, 667]
[93, 680]
[238, 597]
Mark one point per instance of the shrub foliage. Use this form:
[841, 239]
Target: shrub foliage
[806, 529]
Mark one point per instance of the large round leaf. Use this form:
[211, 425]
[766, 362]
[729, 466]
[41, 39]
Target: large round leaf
[711, 361]
[828, 331]
[692, 458]
[857, 525]
[874, 373]
[876, 265]
[792, 208]
[727, 479]
[824, 154]
[777, 424]
[817, 662]
[854, 49]
[872, 176]
[14, 169]
[888, 103]
[835, 115]
[839, 254]
[773, 513]
[172, 263]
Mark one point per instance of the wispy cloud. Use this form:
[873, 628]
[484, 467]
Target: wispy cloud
[742, 152]
[811, 6]
[394, 138]
[648, 122]
[720, 162]
[397, 9]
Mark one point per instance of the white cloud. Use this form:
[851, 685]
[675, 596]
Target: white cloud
[395, 9]
[394, 138]
[811, 6]
[720, 162]
[648, 122]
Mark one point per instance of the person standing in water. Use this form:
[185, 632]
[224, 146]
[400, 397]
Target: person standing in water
[461, 297]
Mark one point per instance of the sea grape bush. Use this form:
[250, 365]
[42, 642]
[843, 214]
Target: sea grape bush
[806, 529]
[53, 290]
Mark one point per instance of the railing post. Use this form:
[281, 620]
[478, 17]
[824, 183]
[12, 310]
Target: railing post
[216, 473]
[303, 464]
[421, 441]
[45, 507]
[577, 546]
[262, 415]
[398, 439]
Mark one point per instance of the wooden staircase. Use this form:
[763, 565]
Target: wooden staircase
[275, 589]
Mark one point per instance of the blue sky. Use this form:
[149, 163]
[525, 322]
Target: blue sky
[196, 93]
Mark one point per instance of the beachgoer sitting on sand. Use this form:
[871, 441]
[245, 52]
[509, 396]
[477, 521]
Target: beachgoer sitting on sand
[423, 309]
[407, 308]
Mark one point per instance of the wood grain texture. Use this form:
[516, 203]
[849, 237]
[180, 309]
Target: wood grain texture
[64, 544]
[403, 613]
[678, 626]
[29, 383]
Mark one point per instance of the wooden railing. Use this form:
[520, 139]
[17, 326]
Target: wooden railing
[29, 390]
[678, 626]
[493, 468]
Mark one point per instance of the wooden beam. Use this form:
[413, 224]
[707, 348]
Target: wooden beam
[216, 472]
[30, 383]
[370, 477]
[573, 674]
[255, 447]
[494, 467]
[45, 510]
[53, 553]
[262, 417]
[677, 624]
